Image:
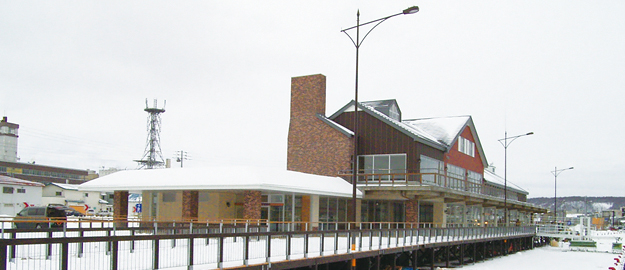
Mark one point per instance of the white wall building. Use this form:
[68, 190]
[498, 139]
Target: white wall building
[8, 140]
[17, 194]
[69, 195]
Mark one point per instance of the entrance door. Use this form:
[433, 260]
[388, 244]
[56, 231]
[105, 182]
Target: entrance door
[273, 211]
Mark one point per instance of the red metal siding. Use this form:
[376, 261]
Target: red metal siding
[463, 160]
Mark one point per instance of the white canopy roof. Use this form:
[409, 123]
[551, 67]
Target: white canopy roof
[222, 178]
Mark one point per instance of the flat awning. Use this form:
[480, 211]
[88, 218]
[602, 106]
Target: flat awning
[222, 178]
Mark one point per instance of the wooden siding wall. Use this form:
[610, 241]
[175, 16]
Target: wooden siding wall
[377, 137]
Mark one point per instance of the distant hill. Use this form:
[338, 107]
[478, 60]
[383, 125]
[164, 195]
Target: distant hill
[578, 204]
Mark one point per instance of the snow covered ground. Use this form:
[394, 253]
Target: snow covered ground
[560, 257]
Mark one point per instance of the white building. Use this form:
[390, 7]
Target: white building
[8, 140]
[18, 194]
[69, 195]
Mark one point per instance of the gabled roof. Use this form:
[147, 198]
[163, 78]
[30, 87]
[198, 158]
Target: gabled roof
[414, 132]
[64, 186]
[385, 107]
[223, 178]
[336, 125]
[447, 130]
[440, 133]
[7, 180]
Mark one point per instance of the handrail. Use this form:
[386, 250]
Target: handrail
[429, 178]
[242, 248]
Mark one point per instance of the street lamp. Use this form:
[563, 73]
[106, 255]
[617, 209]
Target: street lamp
[357, 43]
[555, 173]
[505, 144]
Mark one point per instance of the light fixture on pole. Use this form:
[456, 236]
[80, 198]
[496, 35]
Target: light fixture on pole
[357, 43]
[505, 144]
[555, 173]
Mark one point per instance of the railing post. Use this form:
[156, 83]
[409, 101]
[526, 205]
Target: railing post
[321, 244]
[3, 256]
[155, 253]
[190, 250]
[81, 234]
[246, 249]
[306, 235]
[288, 246]
[114, 255]
[49, 246]
[336, 243]
[220, 252]
[64, 256]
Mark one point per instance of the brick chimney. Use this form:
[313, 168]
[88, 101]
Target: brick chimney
[314, 146]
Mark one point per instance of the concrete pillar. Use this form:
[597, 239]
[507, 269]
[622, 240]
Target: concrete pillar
[314, 212]
[190, 205]
[252, 204]
[440, 218]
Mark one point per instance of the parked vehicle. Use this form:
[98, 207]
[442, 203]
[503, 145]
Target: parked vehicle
[90, 212]
[105, 213]
[40, 217]
[68, 210]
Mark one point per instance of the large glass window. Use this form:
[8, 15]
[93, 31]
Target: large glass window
[475, 181]
[383, 167]
[382, 211]
[332, 210]
[431, 170]
[456, 176]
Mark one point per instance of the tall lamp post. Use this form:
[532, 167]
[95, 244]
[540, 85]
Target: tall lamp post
[506, 141]
[555, 173]
[357, 43]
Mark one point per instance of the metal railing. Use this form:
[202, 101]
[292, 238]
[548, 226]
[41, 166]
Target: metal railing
[194, 245]
[433, 179]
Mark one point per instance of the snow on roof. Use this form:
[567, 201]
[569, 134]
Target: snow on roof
[65, 186]
[336, 125]
[7, 180]
[444, 129]
[494, 178]
[222, 178]
[412, 131]
[439, 133]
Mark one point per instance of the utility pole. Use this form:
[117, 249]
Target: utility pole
[181, 156]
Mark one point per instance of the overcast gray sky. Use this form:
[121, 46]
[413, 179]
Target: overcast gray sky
[75, 76]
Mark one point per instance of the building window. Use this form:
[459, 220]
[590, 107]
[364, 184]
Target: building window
[465, 146]
[456, 177]
[431, 170]
[21, 190]
[7, 190]
[383, 167]
[86, 194]
[59, 193]
[475, 181]
[169, 196]
[393, 112]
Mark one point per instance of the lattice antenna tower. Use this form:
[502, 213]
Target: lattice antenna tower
[152, 156]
